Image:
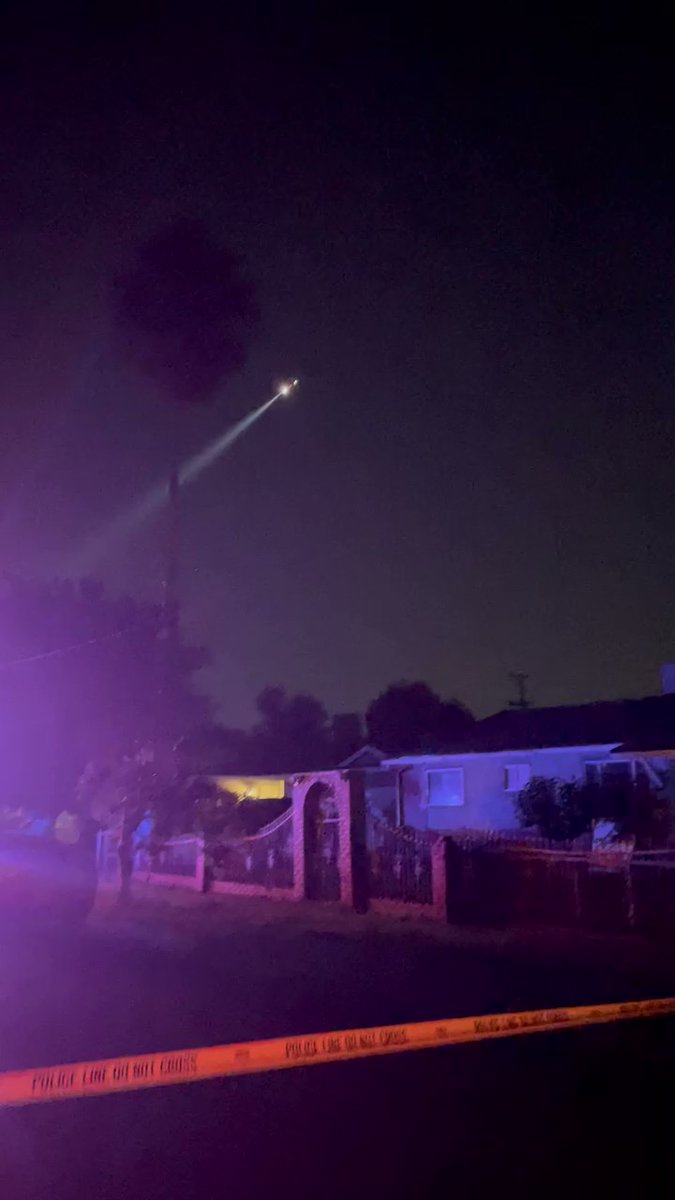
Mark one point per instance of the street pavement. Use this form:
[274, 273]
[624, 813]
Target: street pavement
[584, 1111]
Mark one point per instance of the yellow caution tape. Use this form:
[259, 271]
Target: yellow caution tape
[126, 1074]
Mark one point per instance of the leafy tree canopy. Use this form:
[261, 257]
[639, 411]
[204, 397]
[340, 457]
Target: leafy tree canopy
[184, 311]
[292, 733]
[410, 718]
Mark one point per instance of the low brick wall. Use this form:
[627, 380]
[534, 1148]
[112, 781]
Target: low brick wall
[222, 887]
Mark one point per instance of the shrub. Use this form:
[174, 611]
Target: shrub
[559, 809]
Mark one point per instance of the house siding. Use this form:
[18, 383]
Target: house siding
[487, 805]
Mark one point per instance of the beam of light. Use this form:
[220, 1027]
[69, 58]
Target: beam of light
[194, 467]
[153, 500]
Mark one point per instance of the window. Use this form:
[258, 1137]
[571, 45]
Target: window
[610, 771]
[516, 776]
[446, 788]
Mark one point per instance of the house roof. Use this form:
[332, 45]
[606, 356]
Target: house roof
[367, 756]
[647, 724]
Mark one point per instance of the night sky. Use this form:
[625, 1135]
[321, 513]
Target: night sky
[464, 248]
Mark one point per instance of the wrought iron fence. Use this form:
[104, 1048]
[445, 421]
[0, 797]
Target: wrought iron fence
[652, 877]
[513, 839]
[178, 862]
[399, 862]
[500, 885]
[264, 860]
[178, 856]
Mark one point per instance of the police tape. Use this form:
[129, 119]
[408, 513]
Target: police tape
[130, 1073]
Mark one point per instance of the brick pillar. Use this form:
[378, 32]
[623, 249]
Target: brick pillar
[341, 790]
[301, 785]
[357, 838]
[439, 880]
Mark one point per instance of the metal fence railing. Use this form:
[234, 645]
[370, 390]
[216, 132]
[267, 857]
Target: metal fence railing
[178, 862]
[502, 885]
[262, 863]
[399, 862]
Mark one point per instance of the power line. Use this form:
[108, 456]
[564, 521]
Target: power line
[61, 650]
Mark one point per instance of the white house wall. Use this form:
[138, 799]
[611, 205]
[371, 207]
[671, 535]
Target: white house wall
[486, 803]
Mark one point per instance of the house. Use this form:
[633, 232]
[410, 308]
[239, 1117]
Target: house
[473, 786]
[380, 785]
[365, 759]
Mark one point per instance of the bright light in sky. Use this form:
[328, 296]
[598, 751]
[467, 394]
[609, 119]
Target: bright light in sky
[156, 497]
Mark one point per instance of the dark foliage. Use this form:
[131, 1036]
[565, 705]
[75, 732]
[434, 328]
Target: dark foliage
[184, 312]
[292, 733]
[563, 810]
[213, 750]
[559, 809]
[346, 735]
[409, 718]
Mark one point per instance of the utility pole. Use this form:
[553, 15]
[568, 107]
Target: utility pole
[186, 472]
[519, 680]
[172, 557]
[169, 618]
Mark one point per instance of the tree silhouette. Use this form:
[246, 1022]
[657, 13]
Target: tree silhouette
[409, 718]
[213, 750]
[563, 809]
[346, 736]
[558, 808]
[292, 733]
[185, 312]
